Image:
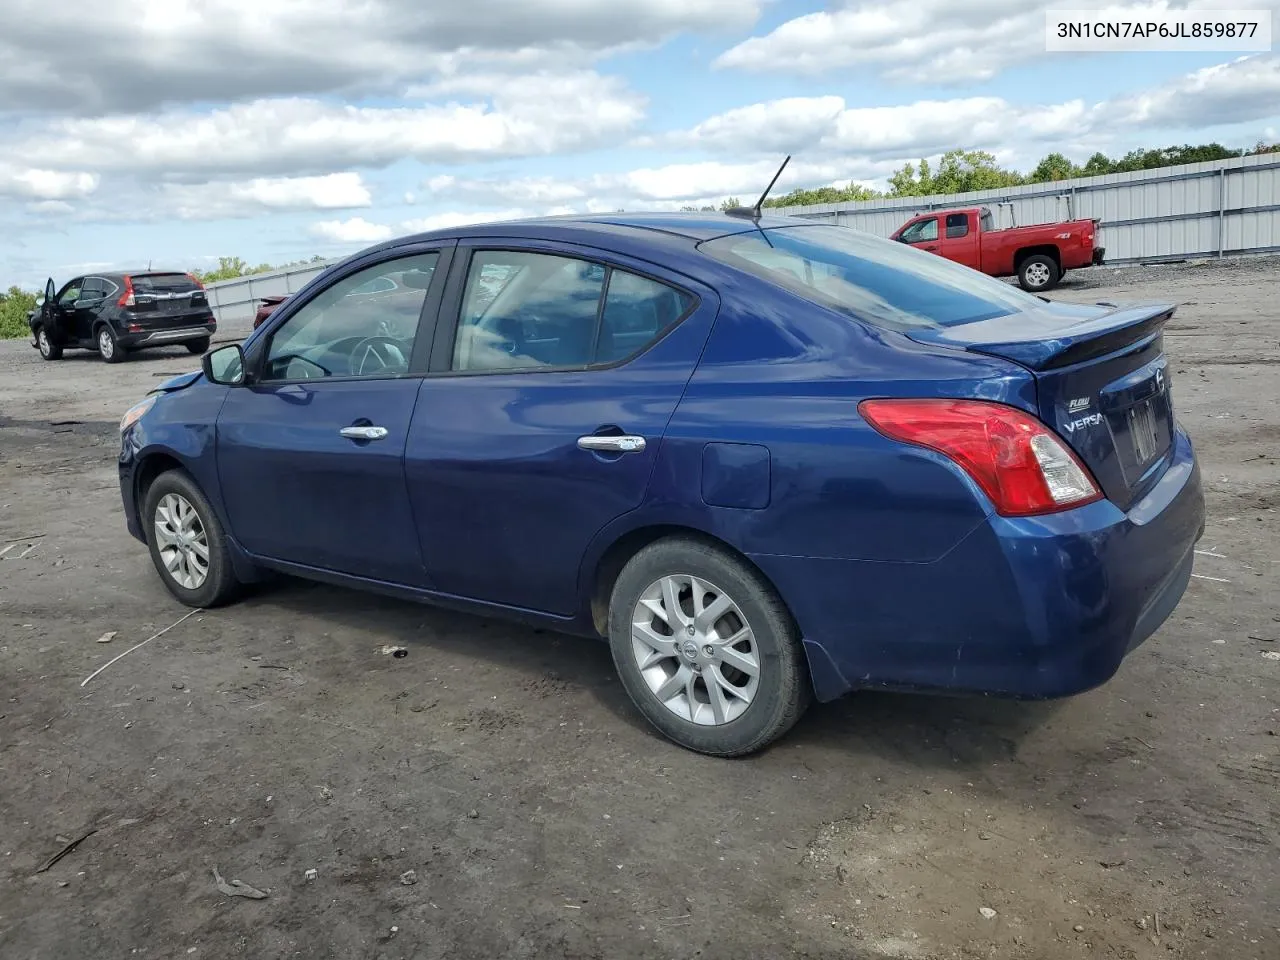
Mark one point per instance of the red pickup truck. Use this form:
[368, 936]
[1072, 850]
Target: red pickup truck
[1038, 256]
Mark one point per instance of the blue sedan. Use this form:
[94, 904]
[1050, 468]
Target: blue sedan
[766, 459]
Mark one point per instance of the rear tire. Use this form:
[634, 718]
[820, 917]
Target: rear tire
[694, 684]
[108, 346]
[187, 543]
[198, 347]
[1038, 273]
[48, 349]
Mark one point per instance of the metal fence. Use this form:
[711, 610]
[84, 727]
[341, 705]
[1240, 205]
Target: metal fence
[236, 300]
[1223, 208]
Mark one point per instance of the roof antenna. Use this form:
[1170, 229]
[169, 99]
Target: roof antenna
[758, 210]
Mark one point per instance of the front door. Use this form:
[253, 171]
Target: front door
[544, 413]
[311, 452]
[62, 315]
[923, 234]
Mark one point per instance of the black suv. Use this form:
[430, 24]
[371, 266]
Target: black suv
[115, 313]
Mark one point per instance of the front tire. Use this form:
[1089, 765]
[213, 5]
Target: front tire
[108, 346]
[705, 648]
[1038, 273]
[198, 347]
[48, 349]
[187, 543]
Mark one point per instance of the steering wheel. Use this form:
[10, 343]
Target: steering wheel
[373, 354]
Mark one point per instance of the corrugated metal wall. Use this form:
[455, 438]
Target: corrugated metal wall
[1227, 207]
[1223, 208]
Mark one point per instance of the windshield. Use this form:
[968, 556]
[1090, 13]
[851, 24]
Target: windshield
[880, 281]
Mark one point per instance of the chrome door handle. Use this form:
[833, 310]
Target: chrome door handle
[363, 433]
[607, 444]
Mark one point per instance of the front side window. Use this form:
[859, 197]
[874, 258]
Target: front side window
[868, 277]
[527, 311]
[364, 325]
[921, 231]
[71, 292]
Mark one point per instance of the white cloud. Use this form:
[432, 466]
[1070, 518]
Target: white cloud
[141, 54]
[40, 184]
[938, 42]
[355, 230]
[299, 136]
[656, 188]
[358, 230]
[1243, 90]
[218, 199]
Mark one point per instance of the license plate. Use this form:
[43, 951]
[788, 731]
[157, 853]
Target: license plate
[1142, 430]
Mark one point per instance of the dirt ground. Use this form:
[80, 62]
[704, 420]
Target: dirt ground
[541, 818]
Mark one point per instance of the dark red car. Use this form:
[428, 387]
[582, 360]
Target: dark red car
[266, 308]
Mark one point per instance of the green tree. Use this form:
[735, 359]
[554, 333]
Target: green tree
[801, 197]
[229, 268]
[1054, 167]
[1097, 165]
[730, 203]
[14, 306]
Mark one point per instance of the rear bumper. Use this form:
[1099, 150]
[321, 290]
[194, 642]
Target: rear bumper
[152, 338]
[1023, 608]
[1099, 253]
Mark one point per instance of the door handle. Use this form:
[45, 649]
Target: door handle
[611, 444]
[363, 433]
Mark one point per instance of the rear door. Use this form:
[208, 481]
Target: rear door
[543, 415]
[93, 299]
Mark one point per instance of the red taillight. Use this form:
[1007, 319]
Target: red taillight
[126, 296]
[1019, 463]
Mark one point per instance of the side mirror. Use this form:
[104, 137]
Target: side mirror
[224, 365]
[40, 300]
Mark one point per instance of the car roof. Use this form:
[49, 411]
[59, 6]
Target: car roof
[629, 228]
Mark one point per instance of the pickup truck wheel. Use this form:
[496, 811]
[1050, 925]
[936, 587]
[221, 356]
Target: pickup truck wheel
[48, 349]
[1038, 273]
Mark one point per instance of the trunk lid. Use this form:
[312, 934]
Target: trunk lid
[1102, 382]
[168, 300]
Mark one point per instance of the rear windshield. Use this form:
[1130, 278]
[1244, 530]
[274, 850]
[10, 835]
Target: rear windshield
[881, 281]
[163, 283]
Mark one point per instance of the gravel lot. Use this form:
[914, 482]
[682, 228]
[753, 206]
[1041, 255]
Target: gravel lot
[541, 818]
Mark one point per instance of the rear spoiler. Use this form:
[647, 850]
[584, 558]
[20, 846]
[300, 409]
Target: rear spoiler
[1056, 335]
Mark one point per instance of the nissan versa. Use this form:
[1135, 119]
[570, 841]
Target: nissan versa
[766, 459]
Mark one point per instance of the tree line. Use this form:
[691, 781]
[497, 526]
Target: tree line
[963, 171]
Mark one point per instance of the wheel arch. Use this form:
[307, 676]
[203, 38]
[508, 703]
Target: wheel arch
[604, 572]
[1048, 249]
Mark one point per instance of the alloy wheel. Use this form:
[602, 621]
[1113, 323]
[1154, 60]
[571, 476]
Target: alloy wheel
[1038, 274]
[695, 650]
[182, 541]
[106, 345]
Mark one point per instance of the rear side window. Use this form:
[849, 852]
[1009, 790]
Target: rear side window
[164, 283]
[876, 280]
[957, 225]
[528, 311]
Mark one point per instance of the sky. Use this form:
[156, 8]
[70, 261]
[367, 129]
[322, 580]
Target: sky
[172, 132]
